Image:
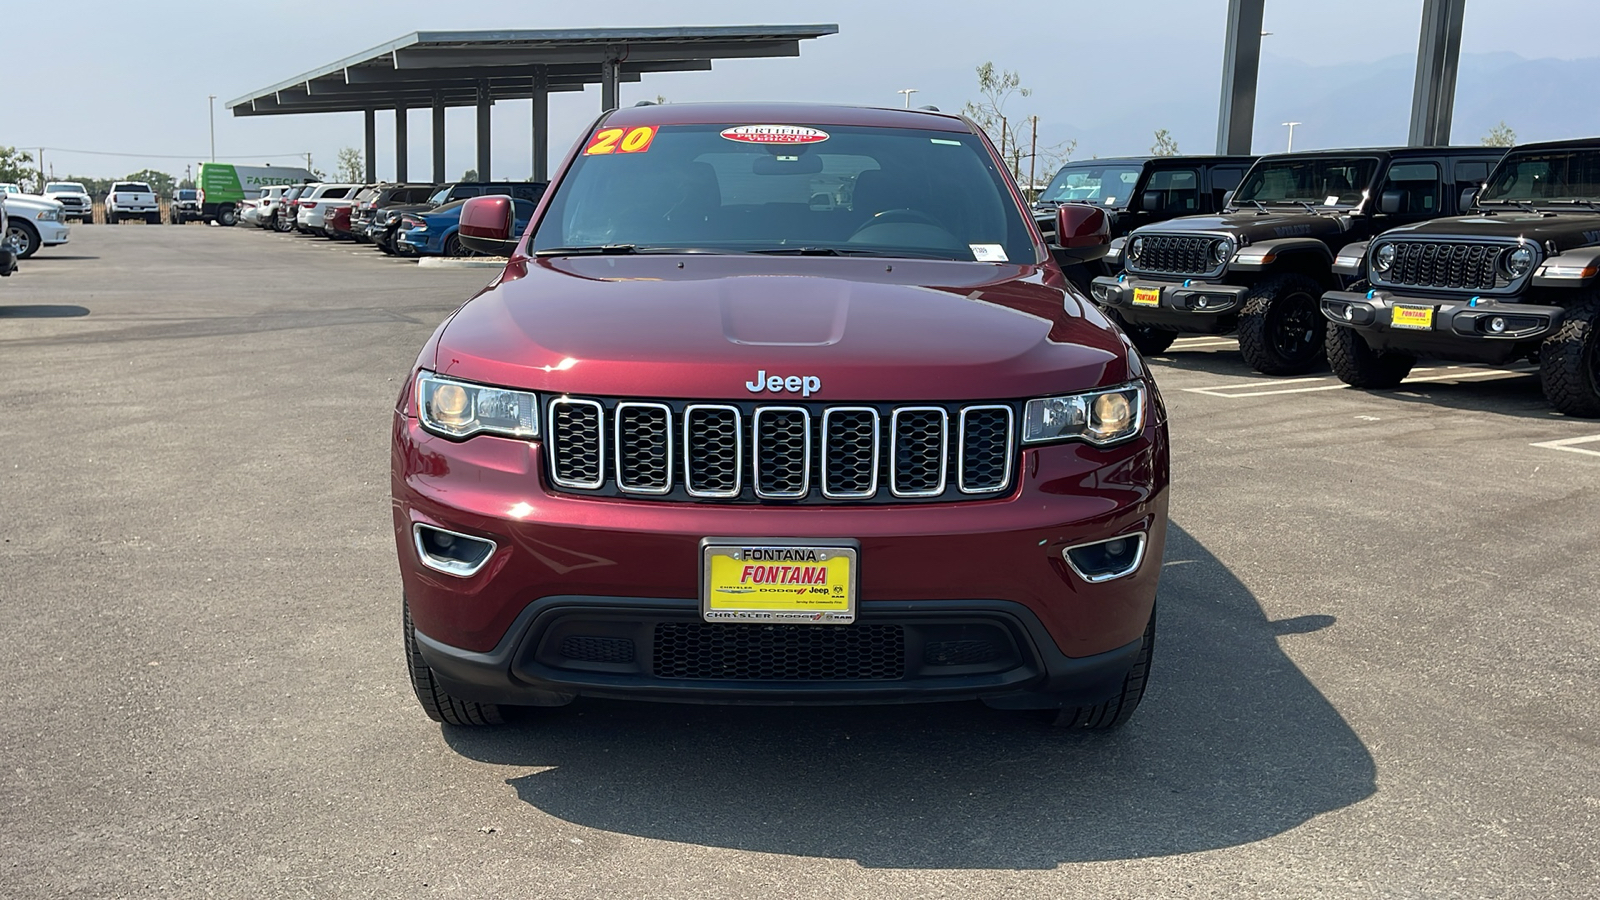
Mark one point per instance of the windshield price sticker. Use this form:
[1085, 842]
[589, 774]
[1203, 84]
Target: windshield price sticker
[774, 134]
[801, 584]
[988, 252]
[621, 140]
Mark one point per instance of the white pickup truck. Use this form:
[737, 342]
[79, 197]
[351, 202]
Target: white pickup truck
[74, 198]
[32, 221]
[132, 200]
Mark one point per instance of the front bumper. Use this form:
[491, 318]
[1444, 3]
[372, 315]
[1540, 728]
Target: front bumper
[1460, 328]
[52, 233]
[990, 572]
[1185, 305]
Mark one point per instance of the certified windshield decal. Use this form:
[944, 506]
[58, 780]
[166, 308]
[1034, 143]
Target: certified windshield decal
[774, 134]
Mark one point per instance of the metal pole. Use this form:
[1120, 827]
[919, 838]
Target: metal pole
[1291, 135]
[541, 125]
[483, 130]
[1433, 98]
[609, 71]
[908, 92]
[1241, 64]
[401, 151]
[370, 119]
[1033, 157]
[438, 137]
[1004, 130]
[211, 113]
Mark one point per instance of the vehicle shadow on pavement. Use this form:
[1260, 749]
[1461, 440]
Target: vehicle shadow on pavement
[43, 311]
[1521, 397]
[1232, 745]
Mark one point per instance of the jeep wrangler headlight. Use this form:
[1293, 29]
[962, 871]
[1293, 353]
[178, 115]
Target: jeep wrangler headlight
[1100, 417]
[1135, 248]
[1383, 258]
[461, 409]
[1222, 251]
[1519, 261]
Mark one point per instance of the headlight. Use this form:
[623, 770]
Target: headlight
[1519, 261]
[1383, 257]
[1221, 251]
[462, 409]
[1136, 248]
[1099, 417]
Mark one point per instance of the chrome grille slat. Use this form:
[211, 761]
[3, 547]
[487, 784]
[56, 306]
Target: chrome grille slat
[850, 441]
[919, 460]
[643, 447]
[577, 443]
[782, 452]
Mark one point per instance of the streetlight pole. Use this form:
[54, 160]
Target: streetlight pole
[908, 92]
[1291, 135]
[211, 113]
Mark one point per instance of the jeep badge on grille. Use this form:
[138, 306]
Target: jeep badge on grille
[804, 385]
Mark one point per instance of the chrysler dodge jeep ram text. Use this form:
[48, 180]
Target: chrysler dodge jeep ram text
[780, 404]
[1518, 280]
[1261, 266]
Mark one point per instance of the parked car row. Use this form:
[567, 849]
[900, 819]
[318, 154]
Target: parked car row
[398, 219]
[1364, 260]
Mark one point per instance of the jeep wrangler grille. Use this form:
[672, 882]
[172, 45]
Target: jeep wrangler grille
[1170, 254]
[1437, 264]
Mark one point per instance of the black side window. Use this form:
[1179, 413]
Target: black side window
[1418, 184]
[1471, 172]
[1177, 190]
[1223, 180]
[462, 192]
[528, 191]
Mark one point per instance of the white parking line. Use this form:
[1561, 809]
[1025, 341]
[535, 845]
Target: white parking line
[1451, 373]
[1567, 444]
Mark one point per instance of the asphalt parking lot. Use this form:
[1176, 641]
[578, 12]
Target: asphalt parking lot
[1376, 674]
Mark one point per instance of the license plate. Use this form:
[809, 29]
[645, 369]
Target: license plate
[1419, 317]
[1146, 296]
[775, 580]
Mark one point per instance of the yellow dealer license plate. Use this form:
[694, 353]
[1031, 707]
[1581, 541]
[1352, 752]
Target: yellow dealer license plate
[1419, 317]
[1146, 296]
[775, 580]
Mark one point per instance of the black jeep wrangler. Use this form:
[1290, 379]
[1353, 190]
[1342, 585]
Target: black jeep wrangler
[1520, 279]
[1139, 190]
[1261, 266]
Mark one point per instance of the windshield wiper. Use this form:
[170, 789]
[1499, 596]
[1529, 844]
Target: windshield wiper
[1522, 205]
[1577, 202]
[592, 250]
[1256, 204]
[798, 251]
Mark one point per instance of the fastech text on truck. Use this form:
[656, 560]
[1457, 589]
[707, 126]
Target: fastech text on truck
[780, 404]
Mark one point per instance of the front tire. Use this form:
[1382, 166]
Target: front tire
[1569, 361]
[227, 216]
[452, 247]
[1118, 709]
[439, 705]
[1147, 339]
[1360, 366]
[23, 238]
[1281, 327]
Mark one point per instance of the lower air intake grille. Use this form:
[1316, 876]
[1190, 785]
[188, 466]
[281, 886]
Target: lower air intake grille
[722, 652]
[597, 649]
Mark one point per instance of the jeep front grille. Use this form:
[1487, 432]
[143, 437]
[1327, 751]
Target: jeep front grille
[1171, 254]
[804, 452]
[1446, 265]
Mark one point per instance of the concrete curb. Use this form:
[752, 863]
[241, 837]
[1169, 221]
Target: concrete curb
[462, 262]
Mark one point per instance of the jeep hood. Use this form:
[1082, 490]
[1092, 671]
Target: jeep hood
[704, 326]
[1566, 229]
[1256, 226]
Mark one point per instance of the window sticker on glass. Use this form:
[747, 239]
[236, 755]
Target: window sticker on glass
[988, 252]
[1332, 200]
[1110, 200]
[620, 140]
[945, 142]
[774, 134]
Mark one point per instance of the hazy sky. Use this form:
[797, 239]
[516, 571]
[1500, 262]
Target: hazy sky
[87, 76]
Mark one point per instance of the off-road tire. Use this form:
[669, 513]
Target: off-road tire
[1569, 360]
[440, 706]
[1118, 709]
[1281, 327]
[1360, 366]
[1147, 339]
[20, 231]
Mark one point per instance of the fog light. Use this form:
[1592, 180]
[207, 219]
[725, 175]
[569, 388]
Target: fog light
[1349, 313]
[1497, 325]
[1106, 560]
[1201, 302]
[451, 552]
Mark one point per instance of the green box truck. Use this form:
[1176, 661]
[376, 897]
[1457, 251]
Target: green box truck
[223, 186]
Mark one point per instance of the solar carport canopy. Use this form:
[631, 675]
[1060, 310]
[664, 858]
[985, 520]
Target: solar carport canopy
[440, 69]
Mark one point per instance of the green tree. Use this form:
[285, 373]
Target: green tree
[1013, 133]
[469, 175]
[160, 182]
[350, 168]
[1500, 136]
[14, 165]
[1165, 145]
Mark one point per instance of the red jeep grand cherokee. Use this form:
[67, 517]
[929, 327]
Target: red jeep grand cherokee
[779, 404]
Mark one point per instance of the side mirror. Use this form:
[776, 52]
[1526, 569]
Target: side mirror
[1392, 202]
[486, 224]
[1227, 199]
[1467, 197]
[1152, 201]
[1083, 233]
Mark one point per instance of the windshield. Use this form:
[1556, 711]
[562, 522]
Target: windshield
[440, 196]
[64, 187]
[186, 194]
[1545, 176]
[1319, 182]
[748, 188]
[1100, 185]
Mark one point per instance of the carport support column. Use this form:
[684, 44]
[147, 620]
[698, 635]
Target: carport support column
[483, 130]
[541, 125]
[1433, 100]
[610, 70]
[371, 118]
[400, 149]
[1241, 63]
[438, 137]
